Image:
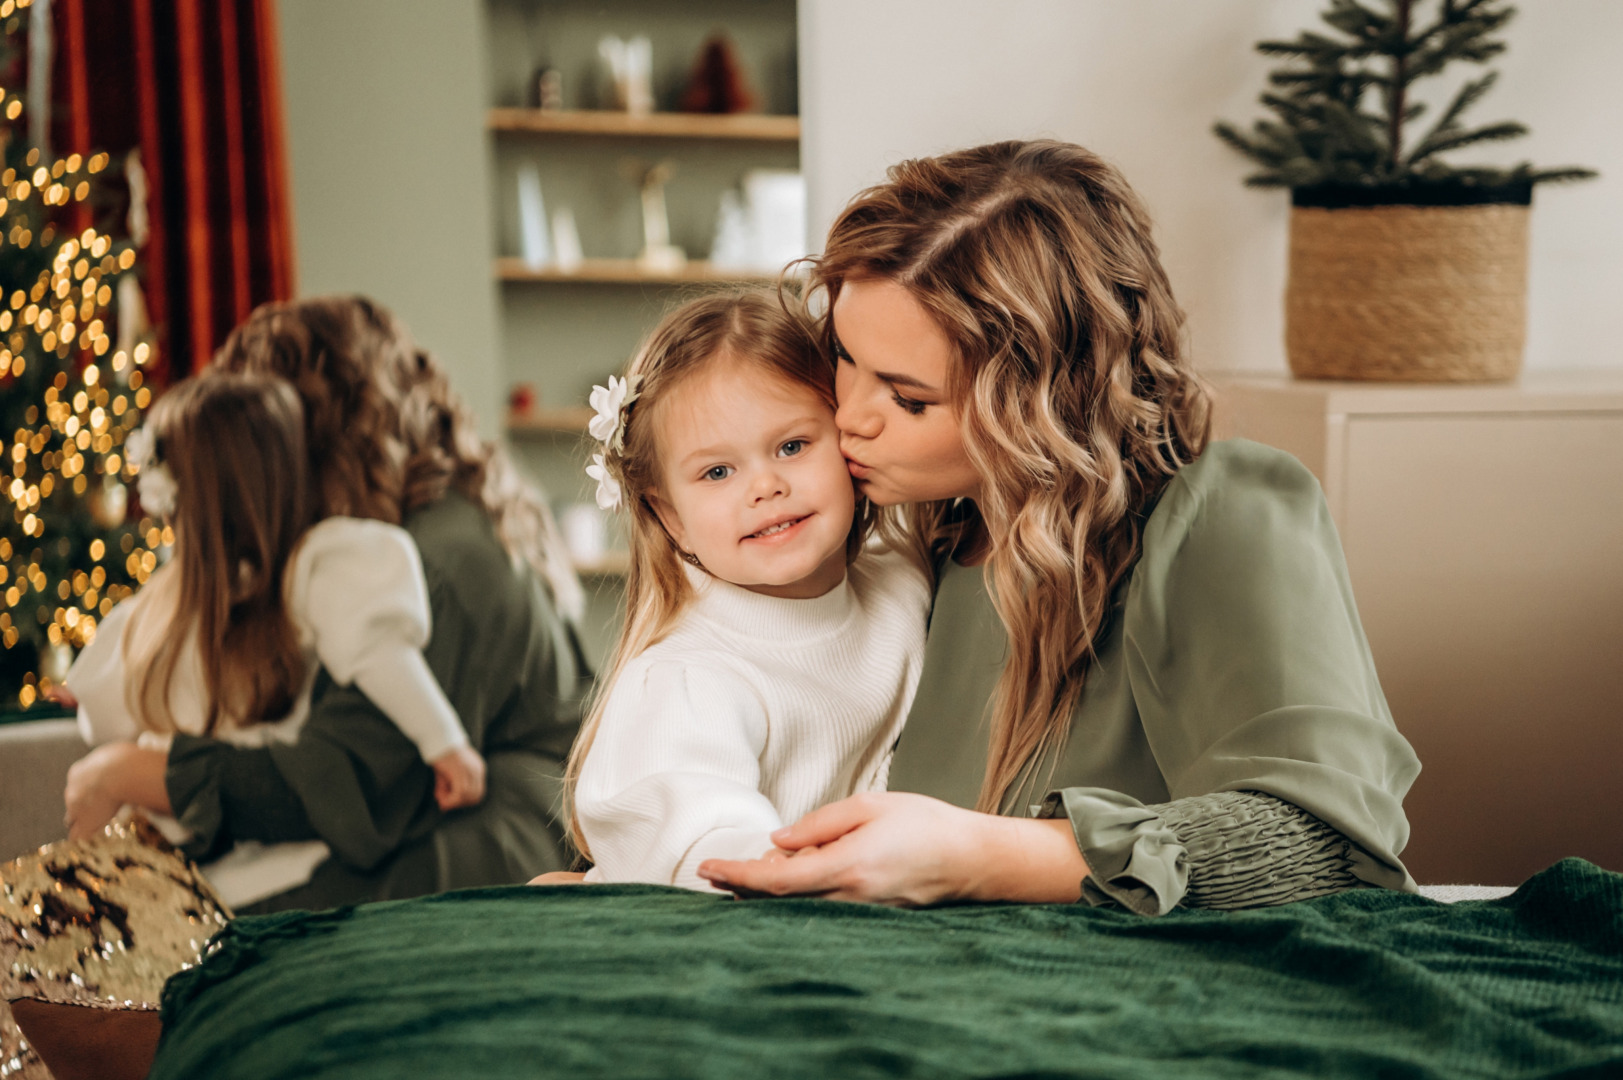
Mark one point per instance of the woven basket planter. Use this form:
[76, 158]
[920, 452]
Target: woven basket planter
[1412, 293]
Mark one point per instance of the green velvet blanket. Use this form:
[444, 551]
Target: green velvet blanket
[635, 981]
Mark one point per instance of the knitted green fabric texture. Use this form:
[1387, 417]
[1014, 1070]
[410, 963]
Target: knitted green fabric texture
[639, 981]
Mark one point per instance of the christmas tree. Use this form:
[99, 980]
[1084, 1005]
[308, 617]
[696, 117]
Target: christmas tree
[1344, 104]
[69, 396]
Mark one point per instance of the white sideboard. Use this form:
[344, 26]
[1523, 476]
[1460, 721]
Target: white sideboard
[1483, 527]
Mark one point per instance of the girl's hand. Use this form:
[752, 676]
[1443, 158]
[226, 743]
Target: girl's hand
[459, 778]
[909, 851]
[558, 877]
[61, 695]
[108, 777]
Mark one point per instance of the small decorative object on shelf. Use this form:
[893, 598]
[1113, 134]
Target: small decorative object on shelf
[1402, 266]
[521, 401]
[765, 230]
[586, 533]
[658, 253]
[532, 218]
[548, 86]
[631, 72]
[717, 84]
[566, 250]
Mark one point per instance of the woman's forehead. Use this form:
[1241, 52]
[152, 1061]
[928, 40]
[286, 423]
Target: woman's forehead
[883, 327]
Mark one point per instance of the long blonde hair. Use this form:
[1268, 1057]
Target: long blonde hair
[235, 446]
[386, 433]
[1076, 401]
[747, 326]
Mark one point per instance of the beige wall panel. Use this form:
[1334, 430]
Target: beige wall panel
[1486, 554]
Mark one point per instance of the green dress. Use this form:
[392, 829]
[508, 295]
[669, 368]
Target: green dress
[1231, 747]
[513, 670]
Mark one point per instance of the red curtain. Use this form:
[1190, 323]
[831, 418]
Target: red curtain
[195, 84]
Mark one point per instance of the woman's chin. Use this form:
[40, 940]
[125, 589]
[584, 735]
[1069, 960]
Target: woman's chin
[877, 493]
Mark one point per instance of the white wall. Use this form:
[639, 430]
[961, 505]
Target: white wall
[1141, 83]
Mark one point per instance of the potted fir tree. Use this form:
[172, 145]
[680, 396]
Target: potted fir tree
[1402, 266]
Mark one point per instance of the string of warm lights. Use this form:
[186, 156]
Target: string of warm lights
[71, 396]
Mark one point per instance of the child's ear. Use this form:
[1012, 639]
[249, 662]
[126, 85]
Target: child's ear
[668, 517]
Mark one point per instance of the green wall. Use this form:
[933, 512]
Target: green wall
[391, 171]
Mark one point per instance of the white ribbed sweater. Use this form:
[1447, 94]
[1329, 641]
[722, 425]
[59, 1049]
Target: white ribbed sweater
[752, 713]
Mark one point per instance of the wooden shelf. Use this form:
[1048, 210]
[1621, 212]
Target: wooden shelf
[570, 421]
[624, 272]
[613, 564]
[748, 126]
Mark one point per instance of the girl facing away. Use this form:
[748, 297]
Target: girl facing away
[227, 640]
[768, 658]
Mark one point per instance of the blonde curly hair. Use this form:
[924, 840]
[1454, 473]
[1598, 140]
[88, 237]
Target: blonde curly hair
[1076, 401]
[385, 432]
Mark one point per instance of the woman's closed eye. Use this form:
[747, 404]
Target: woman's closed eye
[909, 405]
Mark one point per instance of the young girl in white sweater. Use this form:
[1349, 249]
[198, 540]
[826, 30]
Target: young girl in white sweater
[768, 657]
[227, 638]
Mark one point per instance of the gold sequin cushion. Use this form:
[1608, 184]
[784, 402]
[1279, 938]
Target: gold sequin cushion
[89, 932]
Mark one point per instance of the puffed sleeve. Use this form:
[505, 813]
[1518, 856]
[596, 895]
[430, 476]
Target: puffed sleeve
[97, 681]
[672, 777]
[1251, 673]
[357, 585]
[360, 598]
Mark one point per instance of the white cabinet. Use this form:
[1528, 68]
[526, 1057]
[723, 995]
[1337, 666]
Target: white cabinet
[1483, 527]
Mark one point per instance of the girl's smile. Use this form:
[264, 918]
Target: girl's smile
[780, 531]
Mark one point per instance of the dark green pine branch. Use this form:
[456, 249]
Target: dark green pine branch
[1323, 128]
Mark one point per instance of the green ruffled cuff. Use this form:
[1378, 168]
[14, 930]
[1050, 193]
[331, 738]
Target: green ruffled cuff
[192, 779]
[1133, 858]
[1230, 849]
[225, 793]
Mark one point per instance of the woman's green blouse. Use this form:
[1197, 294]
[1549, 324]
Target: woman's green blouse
[1232, 661]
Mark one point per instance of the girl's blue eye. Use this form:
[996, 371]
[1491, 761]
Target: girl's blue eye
[792, 447]
[718, 472]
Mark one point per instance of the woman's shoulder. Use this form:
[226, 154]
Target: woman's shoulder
[458, 544]
[1235, 491]
[1244, 521]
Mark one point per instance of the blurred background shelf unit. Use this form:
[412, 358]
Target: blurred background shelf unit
[563, 329]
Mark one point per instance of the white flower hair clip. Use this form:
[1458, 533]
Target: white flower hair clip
[154, 482]
[608, 427]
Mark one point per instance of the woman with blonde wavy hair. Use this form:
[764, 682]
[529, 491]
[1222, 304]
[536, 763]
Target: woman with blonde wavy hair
[1145, 682]
[385, 439]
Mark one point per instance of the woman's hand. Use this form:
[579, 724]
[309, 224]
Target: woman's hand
[558, 877]
[107, 778]
[910, 851]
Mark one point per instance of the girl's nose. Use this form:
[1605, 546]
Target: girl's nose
[767, 483]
